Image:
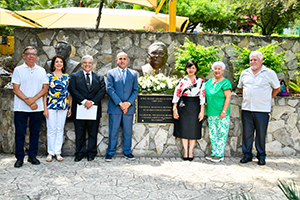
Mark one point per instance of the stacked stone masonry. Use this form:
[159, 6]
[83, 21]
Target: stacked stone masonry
[155, 140]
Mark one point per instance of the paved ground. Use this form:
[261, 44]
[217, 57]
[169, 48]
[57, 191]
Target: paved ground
[144, 178]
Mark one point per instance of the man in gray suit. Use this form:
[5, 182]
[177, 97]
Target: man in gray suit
[122, 88]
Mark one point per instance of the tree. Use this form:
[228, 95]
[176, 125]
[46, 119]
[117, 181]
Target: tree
[48, 4]
[99, 14]
[117, 5]
[18, 4]
[270, 15]
[106, 4]
[86, 3]
[213, 15]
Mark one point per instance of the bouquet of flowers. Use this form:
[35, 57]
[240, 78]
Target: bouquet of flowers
[157, 83]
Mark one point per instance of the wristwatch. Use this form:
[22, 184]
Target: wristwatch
[223, 111]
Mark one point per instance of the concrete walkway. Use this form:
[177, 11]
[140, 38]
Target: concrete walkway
[145, 178]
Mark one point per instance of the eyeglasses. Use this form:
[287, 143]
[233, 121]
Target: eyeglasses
[30, 54]
[157, 54]
[122, 59]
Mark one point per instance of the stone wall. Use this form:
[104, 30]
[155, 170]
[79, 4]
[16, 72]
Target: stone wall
[155, 140]
[104, 45]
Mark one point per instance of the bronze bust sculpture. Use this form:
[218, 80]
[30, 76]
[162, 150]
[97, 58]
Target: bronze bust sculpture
[64, 48]
[157, 58]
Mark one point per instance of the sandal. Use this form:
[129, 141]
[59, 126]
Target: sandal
[59, 158]
[49, 158]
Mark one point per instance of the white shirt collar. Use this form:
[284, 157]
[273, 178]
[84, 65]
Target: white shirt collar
[87, 72]
[120, 69]
[28, 66]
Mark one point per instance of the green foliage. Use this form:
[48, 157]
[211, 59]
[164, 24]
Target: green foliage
[296, 86]
[48, 4]
[271, 60]
[203, 56]
[117, 4]
[298, 55]
[241, 196]
[290, 190]
[19, 5]
[86, 3]
[270, 16]
[164, 9]
[7, 30]
[213, 15]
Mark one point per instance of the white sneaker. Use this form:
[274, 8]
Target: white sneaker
[209, 157]
[217, 159]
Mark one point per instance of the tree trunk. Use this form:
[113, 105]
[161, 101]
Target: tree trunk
[99, 14]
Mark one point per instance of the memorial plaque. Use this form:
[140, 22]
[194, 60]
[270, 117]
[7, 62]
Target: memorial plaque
[154, 109]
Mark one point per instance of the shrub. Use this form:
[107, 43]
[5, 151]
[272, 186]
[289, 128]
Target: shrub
[271, 60]
[203, 56]
[296, 86]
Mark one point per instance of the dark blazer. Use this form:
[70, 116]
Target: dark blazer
[118, 92]
[79, 90]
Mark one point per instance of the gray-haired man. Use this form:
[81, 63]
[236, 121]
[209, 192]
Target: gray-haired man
[87, 88]
[259, 85]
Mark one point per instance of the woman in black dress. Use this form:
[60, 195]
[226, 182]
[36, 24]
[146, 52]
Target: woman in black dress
[188, 109]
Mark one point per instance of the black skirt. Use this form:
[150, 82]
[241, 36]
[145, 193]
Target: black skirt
[188, 125]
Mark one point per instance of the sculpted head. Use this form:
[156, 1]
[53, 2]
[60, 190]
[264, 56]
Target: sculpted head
[63, 48]
[157, 55]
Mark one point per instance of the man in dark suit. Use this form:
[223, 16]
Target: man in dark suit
[87, 88]
[122, 88]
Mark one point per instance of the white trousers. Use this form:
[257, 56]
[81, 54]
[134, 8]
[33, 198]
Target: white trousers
[55, 130]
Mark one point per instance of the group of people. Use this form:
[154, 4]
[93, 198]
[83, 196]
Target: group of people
[259, 85]
[57, 95]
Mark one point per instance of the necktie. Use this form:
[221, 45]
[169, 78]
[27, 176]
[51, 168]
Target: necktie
[123, 76]
[88, 80]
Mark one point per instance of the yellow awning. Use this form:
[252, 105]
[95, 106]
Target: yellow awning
[77, 17]
[10, 18]
[148, 3]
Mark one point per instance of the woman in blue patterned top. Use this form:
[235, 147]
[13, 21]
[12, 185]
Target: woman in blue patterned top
[58, 103]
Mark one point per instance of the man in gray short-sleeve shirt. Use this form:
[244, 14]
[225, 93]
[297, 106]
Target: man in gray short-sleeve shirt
[259, 85]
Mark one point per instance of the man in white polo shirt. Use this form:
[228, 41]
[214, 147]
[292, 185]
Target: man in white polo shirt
[30, 83]
[259, 85]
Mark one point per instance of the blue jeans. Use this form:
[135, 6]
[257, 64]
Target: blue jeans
[21, 118]
[257, 121]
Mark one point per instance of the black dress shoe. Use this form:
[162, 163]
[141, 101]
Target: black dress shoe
[33, 160]
[90, 158]
[245, 159]
[185, 158]
[19, 163]
[77, 159]
[191, 158]
[261, 161]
